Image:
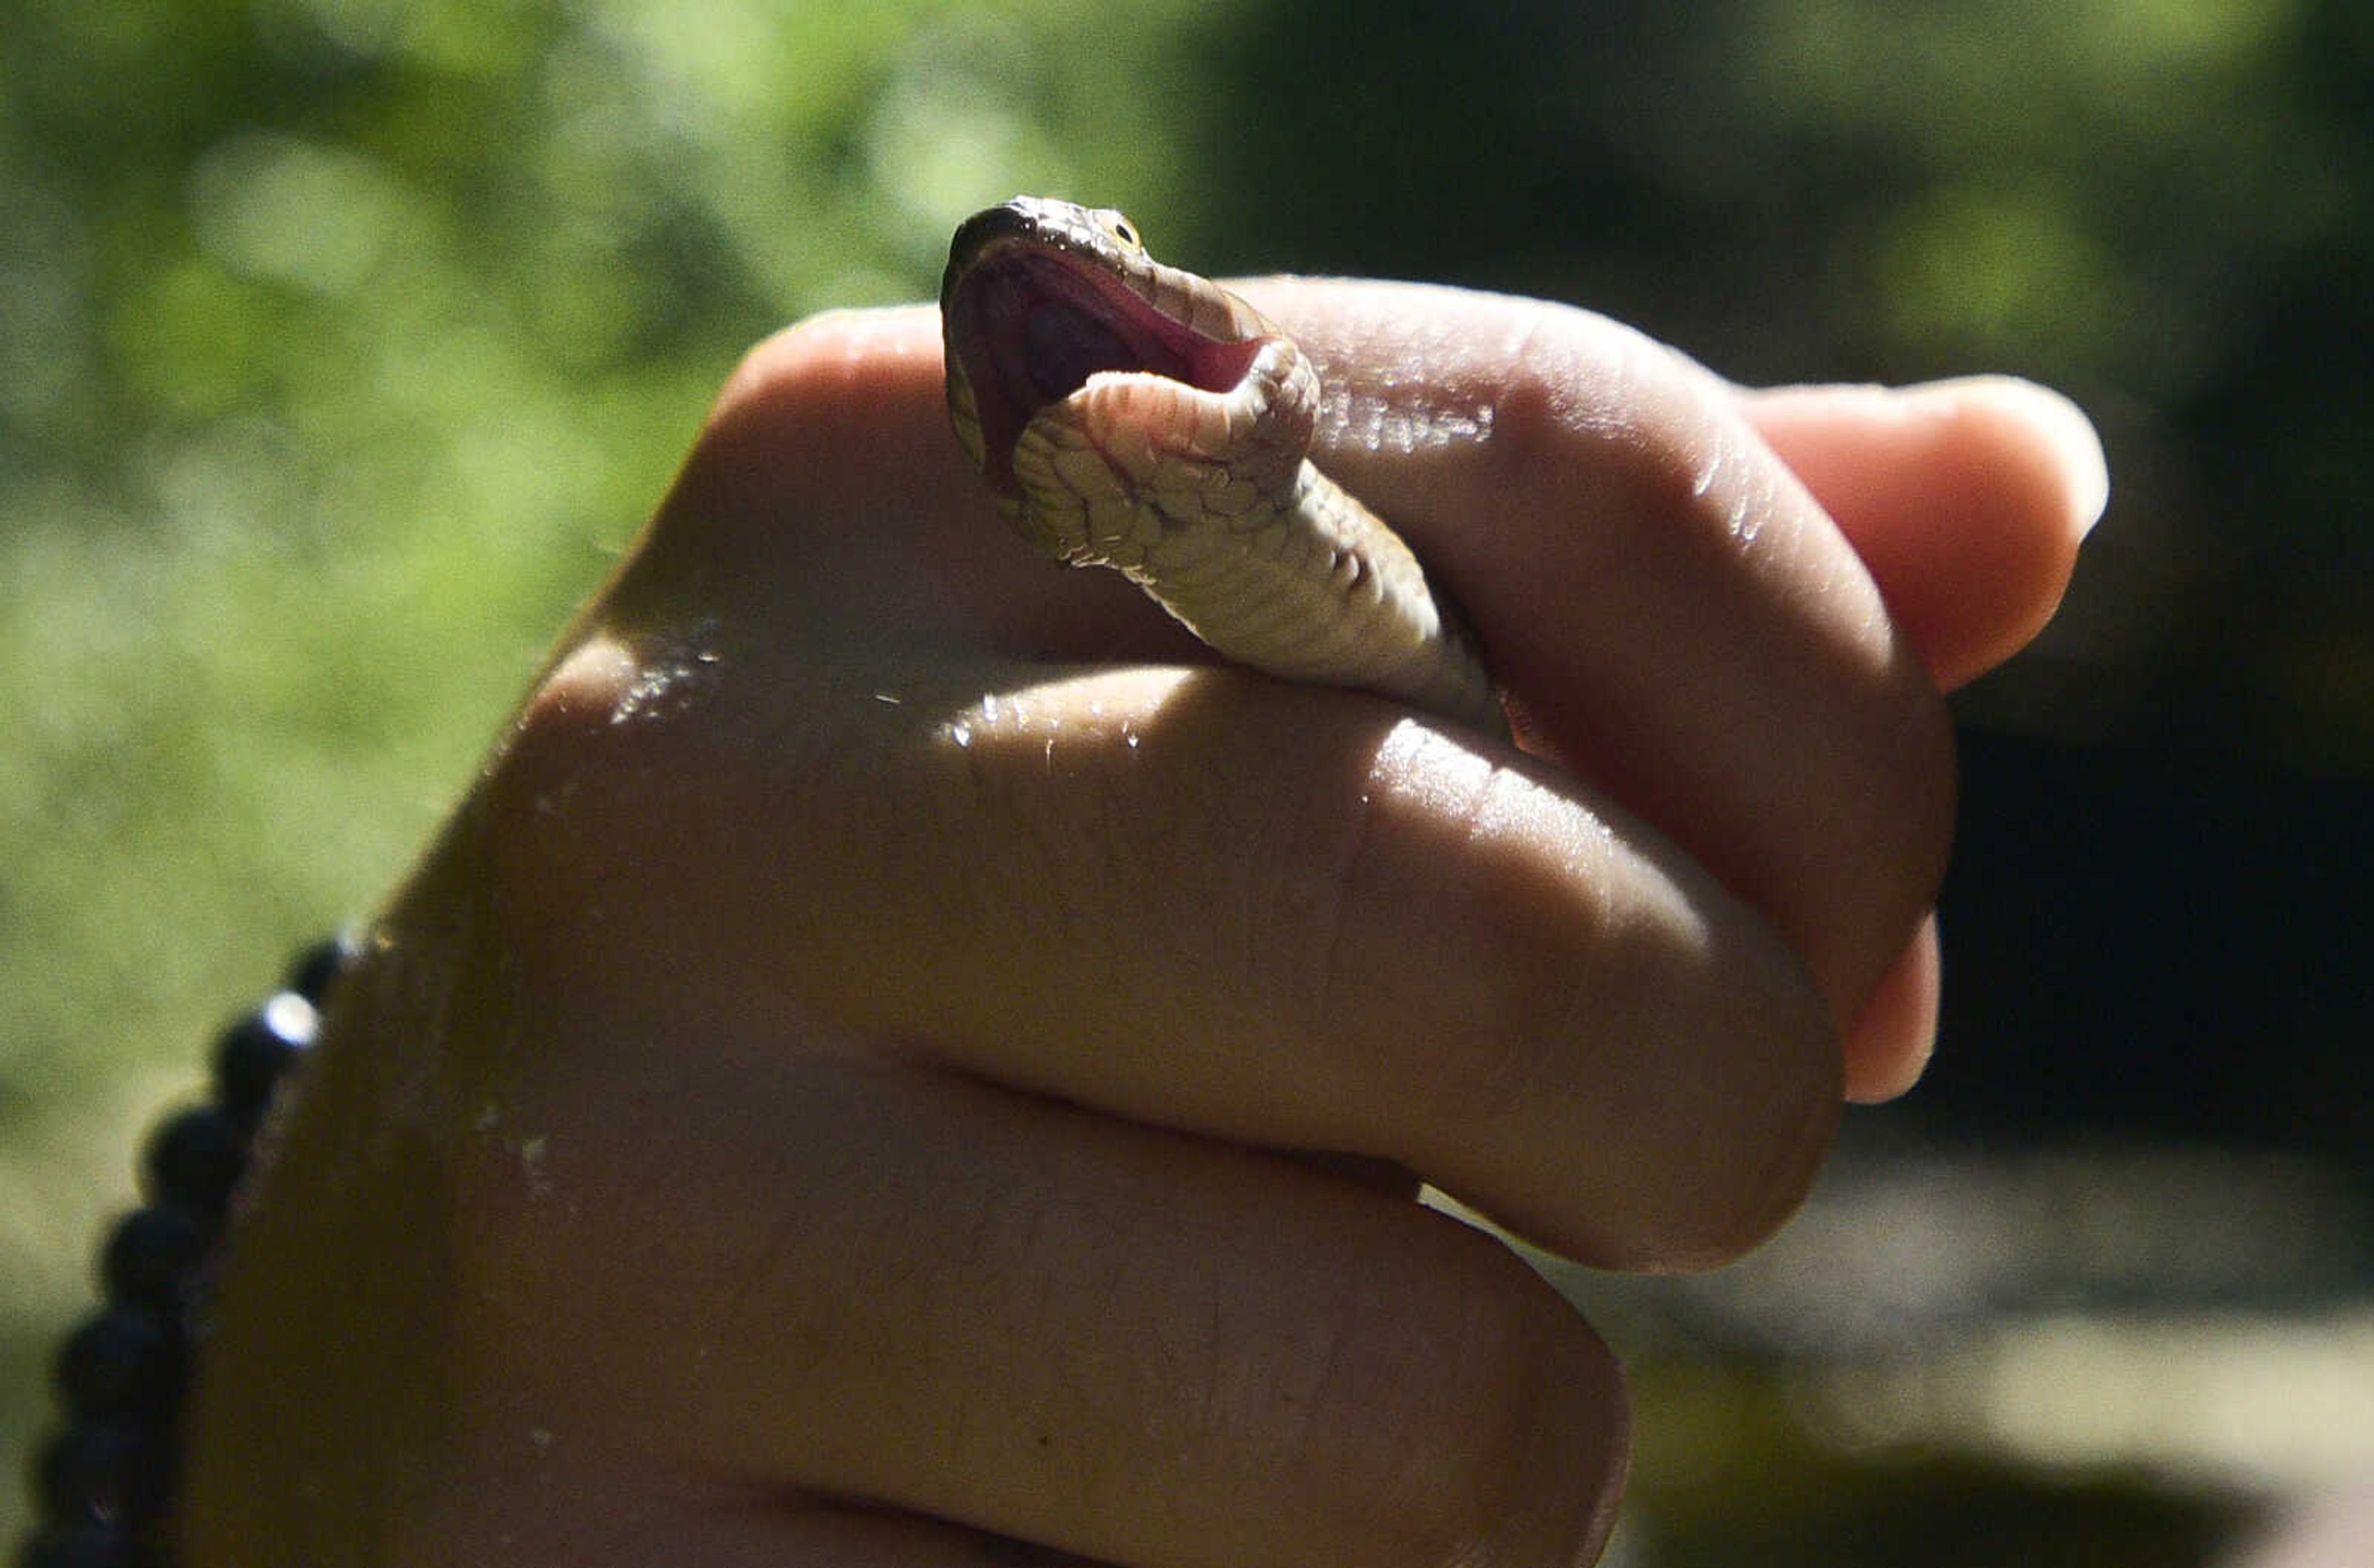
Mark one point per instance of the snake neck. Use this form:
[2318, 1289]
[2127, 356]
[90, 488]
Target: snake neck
[1132, 416]
[1102, 476]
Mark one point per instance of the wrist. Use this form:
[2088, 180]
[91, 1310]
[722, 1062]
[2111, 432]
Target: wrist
[103, 1485]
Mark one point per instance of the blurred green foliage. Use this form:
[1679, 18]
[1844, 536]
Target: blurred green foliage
[341, 342]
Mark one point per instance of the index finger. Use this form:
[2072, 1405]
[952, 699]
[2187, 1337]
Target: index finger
[1675, 616]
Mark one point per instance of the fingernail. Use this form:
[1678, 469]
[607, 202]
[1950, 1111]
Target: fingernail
[2060, 422]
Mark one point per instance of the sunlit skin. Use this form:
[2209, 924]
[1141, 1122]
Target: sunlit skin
[815, 1102]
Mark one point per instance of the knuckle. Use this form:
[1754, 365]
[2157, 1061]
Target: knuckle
[560, 740]
[1580, 391]
[1478, 932]
[1707, 1121]
[1481, 1414]
[1613, 1054]
[564, 816]
[1721, 1198]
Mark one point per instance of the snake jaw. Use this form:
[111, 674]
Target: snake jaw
[1132, 416]
[1039, 297]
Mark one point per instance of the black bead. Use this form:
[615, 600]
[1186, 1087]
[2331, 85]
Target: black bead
[85, 1546]
[195, 1160]
[105, 1482]
[112, 1472]
[153, 1257]
[317, 968]
[124, 1361]
[254, 1053]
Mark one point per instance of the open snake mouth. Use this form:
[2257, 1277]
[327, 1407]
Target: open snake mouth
[1026, 325]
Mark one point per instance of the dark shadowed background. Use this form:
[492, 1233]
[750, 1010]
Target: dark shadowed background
[343, 342]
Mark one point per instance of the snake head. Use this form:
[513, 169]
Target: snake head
[1041, 294]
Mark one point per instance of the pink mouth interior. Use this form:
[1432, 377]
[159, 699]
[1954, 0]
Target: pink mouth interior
[1030, 327]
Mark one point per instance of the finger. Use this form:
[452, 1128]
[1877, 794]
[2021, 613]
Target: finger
[554, 1501]
[2013, 470]
[868, 383]
[1967, 499]
[813, 1276]
[1889, 1045]
[828, 475]
[1201, 899]
[2018, 464]
[1675, 616]
[550, 1502]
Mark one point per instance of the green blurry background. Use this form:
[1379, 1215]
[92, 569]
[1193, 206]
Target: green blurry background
[344, 342]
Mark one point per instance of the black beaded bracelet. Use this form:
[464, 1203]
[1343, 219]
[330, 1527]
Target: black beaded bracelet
[103, 1485]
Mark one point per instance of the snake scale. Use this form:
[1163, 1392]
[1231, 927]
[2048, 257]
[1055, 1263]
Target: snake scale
[1131, 414]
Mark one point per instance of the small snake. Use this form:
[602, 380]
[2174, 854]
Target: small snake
[1130, 414]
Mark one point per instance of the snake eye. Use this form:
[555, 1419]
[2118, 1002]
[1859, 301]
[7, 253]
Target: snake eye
[1123, 232]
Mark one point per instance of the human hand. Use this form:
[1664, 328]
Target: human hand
[814, 1103]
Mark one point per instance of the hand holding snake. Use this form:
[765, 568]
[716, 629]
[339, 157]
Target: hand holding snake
[814, 1103]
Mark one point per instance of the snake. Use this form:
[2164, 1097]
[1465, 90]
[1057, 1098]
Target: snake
[1130, 414]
